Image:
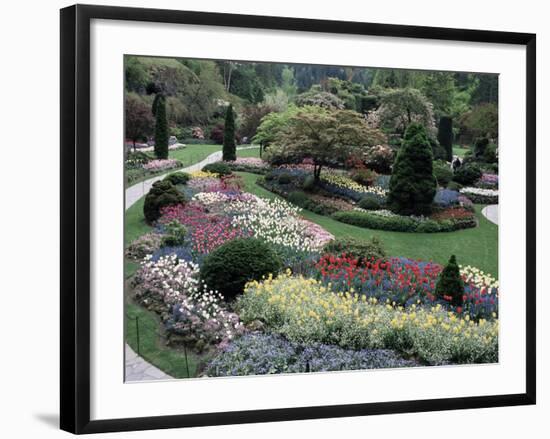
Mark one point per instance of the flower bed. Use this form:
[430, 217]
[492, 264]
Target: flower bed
[306, 311]
[407, 282]
[343, 186]
[387, 220]
[261, 354]
[192, 313]
[161, 165]
[480, 195]
[248, 164]
[488, 181]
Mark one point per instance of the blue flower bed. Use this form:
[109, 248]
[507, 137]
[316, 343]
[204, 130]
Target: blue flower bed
[261, 354]
[446, 198]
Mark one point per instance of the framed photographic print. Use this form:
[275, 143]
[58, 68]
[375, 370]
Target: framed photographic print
[268, 218]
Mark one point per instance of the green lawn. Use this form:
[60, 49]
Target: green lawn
[152, 345]
[477, 247]
[459, 150]
[193, 153]
[252, 152]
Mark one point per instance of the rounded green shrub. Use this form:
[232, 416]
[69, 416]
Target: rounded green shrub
[442, 173]
[454, 186]
[178, 178]
[369, 203]
[284, 178]
[175, 234]
[229, 267]
[467, 174]
[298, 198]
[362, 250]
[490, 154]
[480, 146]
[162, 194]
[450, 284]
[309, 183]
[219, 168]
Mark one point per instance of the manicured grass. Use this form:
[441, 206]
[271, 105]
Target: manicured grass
[459, 150]
[477, 246]
[134, 222]
[252, 152]
[152, 346]
[193, 153]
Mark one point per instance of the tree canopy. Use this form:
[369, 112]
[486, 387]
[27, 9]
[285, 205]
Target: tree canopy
[325, 136]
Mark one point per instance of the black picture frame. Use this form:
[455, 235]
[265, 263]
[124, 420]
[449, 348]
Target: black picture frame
[75, 217]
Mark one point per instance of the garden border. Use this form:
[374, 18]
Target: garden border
[75, 390]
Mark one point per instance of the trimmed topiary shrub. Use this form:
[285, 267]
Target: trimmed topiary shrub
[467, 174]
[412, 184]
[398, 223]
[362, 250]
[369, 203]
[229, 148]
[229, 267]
[178, 178]
[219, 168]
[445, 136]
[450, 286]
[162, 194]
[442, 173]
[161, 127]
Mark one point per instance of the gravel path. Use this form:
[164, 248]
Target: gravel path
[491, 213]
[136, 368]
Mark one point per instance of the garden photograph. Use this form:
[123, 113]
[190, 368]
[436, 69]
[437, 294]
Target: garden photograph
[296, 218]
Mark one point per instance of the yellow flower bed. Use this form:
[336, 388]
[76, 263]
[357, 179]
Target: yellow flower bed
[305, 311]
[347, 183]
[203, 174]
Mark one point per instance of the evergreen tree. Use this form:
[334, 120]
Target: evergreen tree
[412, 184]
[161, 127]
[445, 136]
[480, 146]
[229, 147]
[450, 286]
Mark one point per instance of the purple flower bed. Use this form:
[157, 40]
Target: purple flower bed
[446, 198]
[261, 354]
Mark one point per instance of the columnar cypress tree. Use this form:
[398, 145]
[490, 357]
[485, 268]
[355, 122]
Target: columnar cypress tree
[161, 127]
[445, 136]
[412, 183]
[450, 284]
[229, 148]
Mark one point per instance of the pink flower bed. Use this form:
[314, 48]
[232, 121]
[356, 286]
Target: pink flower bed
[208, 231]
[250, 161]
[161, 165]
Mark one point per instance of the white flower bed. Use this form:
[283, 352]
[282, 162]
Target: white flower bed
[479, 191]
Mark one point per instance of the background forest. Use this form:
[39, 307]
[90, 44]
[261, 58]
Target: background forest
[197, 93]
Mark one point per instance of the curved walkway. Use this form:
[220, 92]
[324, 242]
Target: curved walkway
[135, 192]
[491, 213]
[136, 368]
